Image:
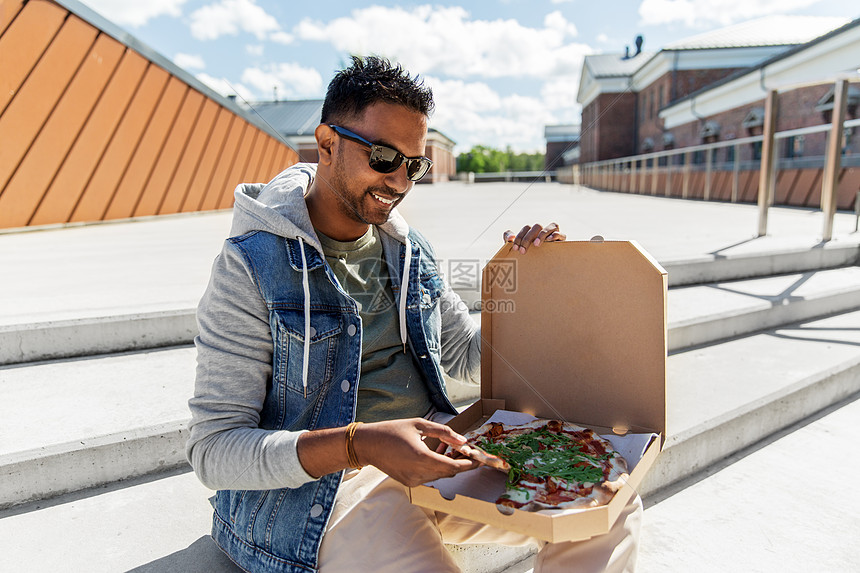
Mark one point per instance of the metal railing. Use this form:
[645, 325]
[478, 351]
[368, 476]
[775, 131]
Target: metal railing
[644, 173]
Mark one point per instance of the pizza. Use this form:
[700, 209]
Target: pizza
[550, 464]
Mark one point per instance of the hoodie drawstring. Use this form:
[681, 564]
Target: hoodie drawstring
[307, 289]
[404, 288]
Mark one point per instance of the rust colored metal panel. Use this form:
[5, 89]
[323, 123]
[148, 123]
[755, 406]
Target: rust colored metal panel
[31, 181]
[28, 111]
[180, 185]
[239, 173]
[721, 190]
[120, 151]
[283, 159]
[849, 184]
[171, 153]
[24, 42]
[212, 151]
[785, 181]
[749, 187]
[807, 181]
[8, 10]
[219, 183]
[266, 172]
[697, 185]
[83, 157]
[256, 168]
[146, 154]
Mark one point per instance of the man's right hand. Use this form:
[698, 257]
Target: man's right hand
[396, 447]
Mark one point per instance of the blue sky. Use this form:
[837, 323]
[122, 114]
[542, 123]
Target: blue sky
[500, 69]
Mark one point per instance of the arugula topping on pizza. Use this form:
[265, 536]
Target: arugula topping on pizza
[550, 464]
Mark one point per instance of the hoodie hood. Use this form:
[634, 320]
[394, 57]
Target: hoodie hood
[279, 207]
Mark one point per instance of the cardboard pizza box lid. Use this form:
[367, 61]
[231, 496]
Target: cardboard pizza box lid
[577, 330]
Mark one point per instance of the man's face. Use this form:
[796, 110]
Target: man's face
[364, 195]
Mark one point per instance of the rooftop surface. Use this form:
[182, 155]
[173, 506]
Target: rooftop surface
[776, 30]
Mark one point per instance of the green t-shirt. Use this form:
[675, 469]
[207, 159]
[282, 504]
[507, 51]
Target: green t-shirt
[390, 385]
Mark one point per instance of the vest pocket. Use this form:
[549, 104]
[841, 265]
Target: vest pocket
[289, 349]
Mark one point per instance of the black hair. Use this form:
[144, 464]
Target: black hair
[372, 80]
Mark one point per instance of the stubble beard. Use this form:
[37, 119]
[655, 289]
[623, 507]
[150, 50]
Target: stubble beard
[353, 205]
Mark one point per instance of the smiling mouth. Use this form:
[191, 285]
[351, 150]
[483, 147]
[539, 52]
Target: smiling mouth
[383, 200]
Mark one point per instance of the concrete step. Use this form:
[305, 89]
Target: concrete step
[751, 501]
[72, 424]
[704, 314]
[697, 315]
[67, 425]
[159, 524]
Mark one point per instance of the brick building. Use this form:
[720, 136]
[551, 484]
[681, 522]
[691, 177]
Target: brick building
[562, 146]
[652, 101]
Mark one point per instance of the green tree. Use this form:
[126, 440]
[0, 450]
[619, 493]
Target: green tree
[483, 159]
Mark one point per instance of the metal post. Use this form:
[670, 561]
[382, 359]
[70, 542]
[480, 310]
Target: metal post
[668, 189]
[856, 211]
[736, 174]
[709, 154]
[685, 188]
[655, 172]
[633, 187]
[833, 159]
[766, 175]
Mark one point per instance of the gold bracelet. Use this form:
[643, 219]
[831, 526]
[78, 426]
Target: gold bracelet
[351, 458]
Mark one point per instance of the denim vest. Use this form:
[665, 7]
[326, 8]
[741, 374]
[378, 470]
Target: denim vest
[281, 530]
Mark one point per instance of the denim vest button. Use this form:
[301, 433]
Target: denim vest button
[316, 510]
[351, 330]
[344, 385]
[426, 298]
[312, 331]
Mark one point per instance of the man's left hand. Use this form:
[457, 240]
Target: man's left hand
[533, 235]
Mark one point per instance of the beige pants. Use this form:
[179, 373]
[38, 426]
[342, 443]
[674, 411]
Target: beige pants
[375, 528]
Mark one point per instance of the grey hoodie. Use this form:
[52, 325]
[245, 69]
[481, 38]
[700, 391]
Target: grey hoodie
[226, 447]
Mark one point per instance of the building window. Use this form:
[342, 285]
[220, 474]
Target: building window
[756, 149]
[730, 154]
[794, 146]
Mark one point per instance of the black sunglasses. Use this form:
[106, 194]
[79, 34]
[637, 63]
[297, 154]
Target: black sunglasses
[384, 159]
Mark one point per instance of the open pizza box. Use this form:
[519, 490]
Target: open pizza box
[573, 331]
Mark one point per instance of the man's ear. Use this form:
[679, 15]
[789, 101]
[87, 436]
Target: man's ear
[325, 141]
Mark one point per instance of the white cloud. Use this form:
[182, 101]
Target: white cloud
[189, 61]
[135, 13]
[559, 96]
[444, 40]
[282, 38]
[291, 81]
[254, 49]
[701, 13]
[557, 21]
[229, 17]
[472, 113]
[225, 87]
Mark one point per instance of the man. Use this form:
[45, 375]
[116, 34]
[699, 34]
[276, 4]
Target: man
[306, 328]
